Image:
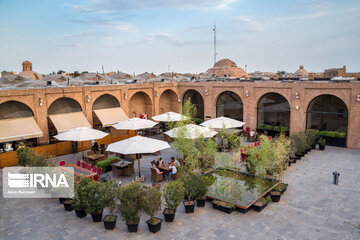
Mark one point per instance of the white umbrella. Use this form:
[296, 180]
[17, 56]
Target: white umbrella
[191, 131]
[222, 122]
[137, 145]
[134, 124]
[170, 117]
[81, 134]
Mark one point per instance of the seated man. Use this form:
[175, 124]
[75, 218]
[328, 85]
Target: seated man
[173, 169]
[173, 160]
[159, 162]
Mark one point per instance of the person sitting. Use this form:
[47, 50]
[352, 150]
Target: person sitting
[173, 160]
[173, 169]
[159, 162]
[95, 147]
[153, 165]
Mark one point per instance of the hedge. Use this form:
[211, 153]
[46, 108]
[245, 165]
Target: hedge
[107, 162]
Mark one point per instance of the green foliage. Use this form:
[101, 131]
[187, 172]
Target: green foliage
[107, 162]
[298, 142]
[235, 142]
[205, 151]
[80, 189]
[334, 134]
[312, 135]
[203, 184]
[174, 192]
[112, 191]
[130, 202]
[321, 141]
[198, 120]
[280, 129]
[151, 201]
[28, 158]
[261, 127]
[94, 197]
[190, 183]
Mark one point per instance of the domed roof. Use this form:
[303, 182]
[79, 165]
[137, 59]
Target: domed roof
[301, 72]
[31, 74]
[226, 68]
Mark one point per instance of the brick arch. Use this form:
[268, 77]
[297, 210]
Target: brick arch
[277, 92]
[216, 99]
[24, 110]
[168, 101]
[58, 99]
[106, 94]
[200, 107]
[140, 103]
[22, 102]
[311, 98]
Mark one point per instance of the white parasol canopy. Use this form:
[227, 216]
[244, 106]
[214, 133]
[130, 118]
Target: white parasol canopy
[81, 134]
[222, 122]
[134, 124]
[170, 117]
[191, 131]
[136, 145]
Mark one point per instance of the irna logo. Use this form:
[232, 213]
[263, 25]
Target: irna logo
[26, 180]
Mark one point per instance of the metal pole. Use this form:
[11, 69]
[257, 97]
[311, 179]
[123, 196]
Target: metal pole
[139, 164]
[214, 43]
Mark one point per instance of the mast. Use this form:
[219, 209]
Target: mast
[214, 43]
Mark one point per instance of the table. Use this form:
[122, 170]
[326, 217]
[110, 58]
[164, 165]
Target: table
[123, 168]
[95, 157]
[78, 171]
[165, 168]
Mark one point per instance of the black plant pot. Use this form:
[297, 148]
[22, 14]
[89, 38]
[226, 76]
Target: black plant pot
[313, 146]
[62, 200]
[154, 228]
[284, 189]
[275, 196]
[200, 202]
[259, 208]
[68, 205]
[289, 163]
[110, 225]
[322, 147]
[97, 217]
[132, 227]
[223, 208]
[189, 206]
[298, 156]
[80, 213]
[169, 217]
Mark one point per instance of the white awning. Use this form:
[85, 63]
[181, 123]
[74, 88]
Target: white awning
[18, 129]
[67, 121]
[110, 116]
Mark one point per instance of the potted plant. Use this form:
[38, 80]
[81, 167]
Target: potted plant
[223, 206]
[322, 143]
[201, 188]
[190, 181]
[69, 205]
[130, 204]
[281, 187]
[95, 199]
[111, 194]
[80, 195]
[260, 204]
[275, 195]
[151, 203]
[174, 193]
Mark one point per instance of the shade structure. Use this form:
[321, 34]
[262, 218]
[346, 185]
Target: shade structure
[67, 121]
[18, 129]
[191, 131]
[170, 117]
[222, 122]
[134, 124]
[137, 145]
[81, 134]
[110, 116]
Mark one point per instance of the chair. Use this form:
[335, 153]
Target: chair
[252, 145]
[247, 129]
[129, 170]
[99, 171]
[62, 163]
[174, 177]
[96, 178]
[83, 165]
[155, 176]
[94, 169]
[89, 167]
[256, 144]
[78, 163]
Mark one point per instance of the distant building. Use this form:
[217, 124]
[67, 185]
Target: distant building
[301, 72]
[28, 72]
[5, 73]
[227, 68]
[335, 72]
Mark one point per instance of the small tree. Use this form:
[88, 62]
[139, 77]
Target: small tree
[190, 183]
[130, 202]
[298, 142]
[203, 184]
[151, 202]
[28, 158]
[80, 193]
[174, 192]
[95, 200]
[112, 191]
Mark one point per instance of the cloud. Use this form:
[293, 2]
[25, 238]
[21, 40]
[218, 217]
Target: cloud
[250, 24]
[115, 6]
[302, 17]
[170, 38]
[121, 26]
[70, 44]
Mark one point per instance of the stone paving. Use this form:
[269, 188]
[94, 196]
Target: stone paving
[311, 208]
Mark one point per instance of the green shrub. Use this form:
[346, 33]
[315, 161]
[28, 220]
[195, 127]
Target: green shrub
[261, 127]
[298, 142]
[276, 128]
[284, 129]
[80, 189]
[94, 197]
[198, 120]
[334, 134]
[190, 181]
[321, 141]
[107, 162]
[268, 127]
[312, 135]
[151, 201]
[112, 191]
[130, 202]
[174, 193]
[28, 158]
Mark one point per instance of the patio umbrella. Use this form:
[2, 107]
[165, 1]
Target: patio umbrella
[134, 124]
[137, 145]
[81, 134]
[222, 122]
[191, 131]
[170, 117]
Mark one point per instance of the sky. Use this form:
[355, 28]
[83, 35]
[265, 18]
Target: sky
[136, 36]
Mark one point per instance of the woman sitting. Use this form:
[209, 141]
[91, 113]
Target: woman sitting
[153, 165]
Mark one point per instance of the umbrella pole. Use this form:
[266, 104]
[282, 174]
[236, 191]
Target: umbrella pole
[82, 150]
[139, 164]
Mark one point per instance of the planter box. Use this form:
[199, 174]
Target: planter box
[97, 217]
[132, 227]
[200, 202]
[336, 142]
[80, 213]
[68, 205]
[154, 228]
[321, 147]
[225, 209]
[169, 217]
[109, 225]
[259, 206]
[275, 196]
[189, 208]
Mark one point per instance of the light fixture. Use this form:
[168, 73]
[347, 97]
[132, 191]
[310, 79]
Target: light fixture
[179, 100]
[87, 98]
[358, 98]
[206, 92]
[156, 93]
[40, 102]
[125, 95]
[247, 93]
[297, 107]
[297, 95]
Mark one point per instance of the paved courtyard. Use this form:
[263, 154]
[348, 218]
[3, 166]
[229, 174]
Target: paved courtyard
[311, 208]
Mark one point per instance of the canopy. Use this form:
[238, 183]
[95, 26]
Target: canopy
[110, 116]
[19, 129]
[222, 122]
[191, 131]
[136, 145]
[81, 134]
[134, 124]
[67, 121]
[170, 117]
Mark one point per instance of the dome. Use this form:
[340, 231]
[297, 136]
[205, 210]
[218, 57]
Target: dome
[301, 72]
[32, 75]
[226, 68]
